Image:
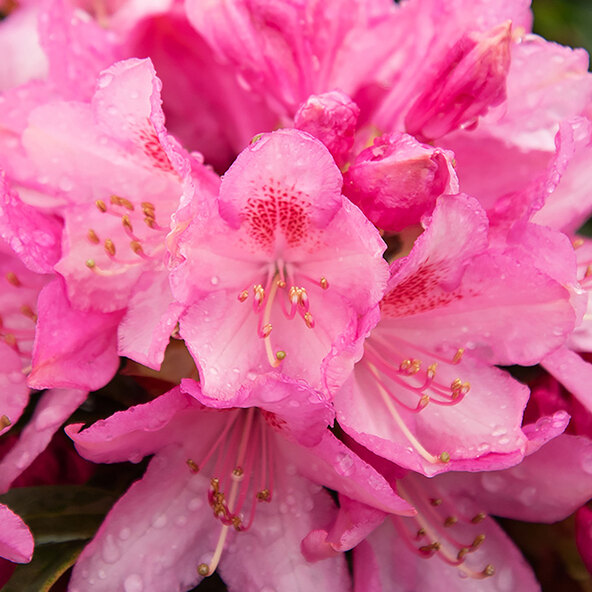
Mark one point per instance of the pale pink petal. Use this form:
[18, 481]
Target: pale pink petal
[168, 504]
[281, 163]
[482, 429]
[573, 372]
[73, 349]
[134, 433]
[355, 521]
[54, 407]
[143, 333]
[400, 570]
[14, 392]
[268, 555]
[547, 84]
[335, 466]
[20, 30]
[300, 412]
[16, 541]
[525, 492]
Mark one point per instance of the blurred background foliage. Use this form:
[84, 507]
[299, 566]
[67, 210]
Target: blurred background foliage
[566, 21]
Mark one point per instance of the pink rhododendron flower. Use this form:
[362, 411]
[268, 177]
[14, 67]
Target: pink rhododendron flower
[223, 486]
[424, 393]
[281, 262]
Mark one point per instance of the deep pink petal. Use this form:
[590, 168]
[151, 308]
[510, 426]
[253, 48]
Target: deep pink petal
[73, 349]
[54, 407]
[16, 541]
[14, 392]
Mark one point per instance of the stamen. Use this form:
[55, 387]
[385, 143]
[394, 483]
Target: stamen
[309, 320]
[12, 278]
[109, 247]
[101, 205]
[243, 295]
[324, 283]
[125, 220]
[90, 263]
[4, 422]
[458, 355]
[450, 521]
[121, 201]
[93, 237]
[193, 466]
[478, 518]
[280, 355]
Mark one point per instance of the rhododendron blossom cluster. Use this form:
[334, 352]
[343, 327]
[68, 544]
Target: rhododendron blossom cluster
[282, 265]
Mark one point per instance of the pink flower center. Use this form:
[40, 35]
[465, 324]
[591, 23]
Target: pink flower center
[281, 288]
[241, 458]
[147, 244]
[410, 384]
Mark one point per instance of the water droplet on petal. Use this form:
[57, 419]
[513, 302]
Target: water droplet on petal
[214, 280]
[104, 80]
[133, 583]
[124, 534]
[110, 550]
[587, 463]
[345, 464]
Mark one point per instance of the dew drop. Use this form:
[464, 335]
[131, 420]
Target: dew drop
[133, 583]
[104, 80]
[194, 503]
[110, 551]
[345, 464]
[214, 280]
[492, 482]
[23, 460]
[498, 431]
[587, 463]
[159, 521]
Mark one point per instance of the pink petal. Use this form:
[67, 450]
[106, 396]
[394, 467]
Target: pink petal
[14, 393]
[54, 407]
[397, 180]
[573, 372]
[332, 118]
[399, 570]
[16, 541]
[73, 349]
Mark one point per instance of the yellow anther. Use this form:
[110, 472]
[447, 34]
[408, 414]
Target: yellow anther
[450, 521]
[4, 422]
[126, 223]
[237, 523]
[577, 243]
[90, 263]
[405, 365]
[324, 283]
[588, 271]
[445, 457]
[266, 330]
[308, 319]
[423, 402]
[420, 533]
[462, 553]
[431, 371]
[415, 366]
[101, 205]
[489, 570]
[281, 284]
[109, 247]
[458, 355]
[28, 312]
[478, 541]
[264, 495]
[149, 222]
[10, 339]
[436, 501]
[193, 466]
[280, 355]
[203, 569]
[478, 518]
[238, 472]
[136, 247]
[243, 295]
[435, 546]
[147, 205]
[258, 293]
[12, 278]
[93, 237]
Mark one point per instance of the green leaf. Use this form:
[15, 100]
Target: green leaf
[60, 513]
[49, 563]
